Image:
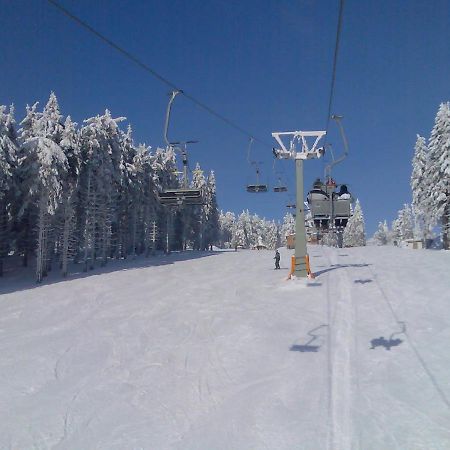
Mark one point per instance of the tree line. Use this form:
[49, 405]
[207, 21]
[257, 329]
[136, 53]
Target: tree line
[430, 186]
[84, 195]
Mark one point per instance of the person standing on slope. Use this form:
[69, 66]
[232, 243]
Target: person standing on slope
[277, 259]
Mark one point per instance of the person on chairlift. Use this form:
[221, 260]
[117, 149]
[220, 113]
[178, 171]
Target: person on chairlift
[343, 192]
[318, 184]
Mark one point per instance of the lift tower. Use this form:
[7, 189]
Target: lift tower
[299, 139]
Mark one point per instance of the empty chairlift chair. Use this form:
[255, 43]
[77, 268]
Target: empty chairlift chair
[174, 197]
[280, 188]
[257, 187]
[182, 195]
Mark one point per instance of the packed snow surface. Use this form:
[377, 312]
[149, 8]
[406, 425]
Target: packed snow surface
[218, 351]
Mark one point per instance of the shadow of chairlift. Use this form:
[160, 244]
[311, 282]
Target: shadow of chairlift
[307, 347]
[388, 343]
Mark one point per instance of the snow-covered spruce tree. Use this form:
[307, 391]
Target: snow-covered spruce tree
[381, 236]
[48, 166]
[330, 239]
[70, 145]
[125, 193]
[420, 190]
[354, 233]
[288, 227]
[240, 232]
[50, 125]
[226, 225]
[100, 178]
[143, 201]
[271, 237]
[211, 229]
[8, 163]
[164, 170]
[25, 212]
[438, 171]
[199, 213]
[403, 225]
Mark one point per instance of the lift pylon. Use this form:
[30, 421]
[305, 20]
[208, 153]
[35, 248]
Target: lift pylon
[299, 139]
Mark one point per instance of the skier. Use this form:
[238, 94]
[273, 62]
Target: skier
[277, 259]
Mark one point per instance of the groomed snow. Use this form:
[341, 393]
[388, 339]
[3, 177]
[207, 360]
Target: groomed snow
[219, 351]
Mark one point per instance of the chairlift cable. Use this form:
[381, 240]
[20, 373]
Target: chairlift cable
[335, 59]
[153, 72]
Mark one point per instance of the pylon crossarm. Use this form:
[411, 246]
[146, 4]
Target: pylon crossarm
[298, 136]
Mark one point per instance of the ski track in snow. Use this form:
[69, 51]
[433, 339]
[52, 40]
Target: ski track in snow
[220, 352]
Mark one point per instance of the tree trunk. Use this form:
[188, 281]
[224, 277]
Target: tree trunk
[68, 213]
[41, 239]
[3, 235]
[446, 225]
[87, 224]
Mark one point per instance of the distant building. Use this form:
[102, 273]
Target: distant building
[413, 243]
[290, 241]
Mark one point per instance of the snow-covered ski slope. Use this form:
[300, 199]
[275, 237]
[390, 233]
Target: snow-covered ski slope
[220, 352]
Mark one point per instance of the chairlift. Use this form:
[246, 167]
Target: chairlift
[280, 188]
[328, 207]
[183, 195]
[178, 197]
[331, 209]
[257, 187]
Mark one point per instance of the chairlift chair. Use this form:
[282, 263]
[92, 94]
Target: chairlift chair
[257, 187]
[175, 197]
[327, 205]
[280, 188]
[183, 195]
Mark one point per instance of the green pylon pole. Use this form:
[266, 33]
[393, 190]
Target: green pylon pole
[300, 229]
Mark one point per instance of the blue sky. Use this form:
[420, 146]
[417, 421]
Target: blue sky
[266, 65]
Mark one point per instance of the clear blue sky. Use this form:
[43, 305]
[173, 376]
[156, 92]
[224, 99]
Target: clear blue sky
[264, 64]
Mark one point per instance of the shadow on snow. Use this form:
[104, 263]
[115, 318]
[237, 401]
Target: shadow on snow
[307, 347]
[388, 343]
[339, 266]
[22, 279]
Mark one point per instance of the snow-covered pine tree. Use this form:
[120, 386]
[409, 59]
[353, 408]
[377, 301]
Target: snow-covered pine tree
[381, 236]
[198, 216]
[420, 190]
[70, 145]
[164, 170]
[126, 192]
[272, 235]
[44, 188]
[403, 225]
[354, 233]
[331, 239]
[25, 211]
[211, 212]
[288, 227]
[438, 171]
[143, 202]
[100, 180]
[8, 163]
[240, 232]
[226, 224]
[50, 125]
